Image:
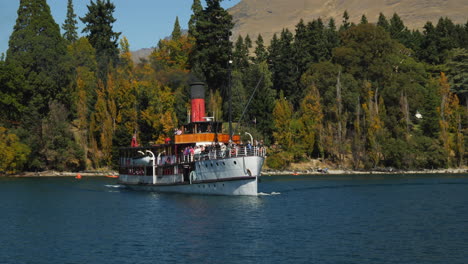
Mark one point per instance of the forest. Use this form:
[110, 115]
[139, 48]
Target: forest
[361, 96]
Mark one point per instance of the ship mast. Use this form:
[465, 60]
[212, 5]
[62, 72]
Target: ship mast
[230, 102]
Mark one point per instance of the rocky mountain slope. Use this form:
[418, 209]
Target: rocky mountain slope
[266, 17]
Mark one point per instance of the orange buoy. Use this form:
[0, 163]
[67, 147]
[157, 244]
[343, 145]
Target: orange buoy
[78, 176]
[112, 176]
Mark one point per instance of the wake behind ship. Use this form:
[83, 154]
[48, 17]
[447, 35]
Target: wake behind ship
[201, 159]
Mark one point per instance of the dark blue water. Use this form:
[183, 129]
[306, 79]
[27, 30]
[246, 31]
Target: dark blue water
[391, 219]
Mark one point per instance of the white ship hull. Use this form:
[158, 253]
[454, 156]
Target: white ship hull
[224, 176]
[231, 187]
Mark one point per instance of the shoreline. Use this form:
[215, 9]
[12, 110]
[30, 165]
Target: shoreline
[263, 173]
[29, 174]
[368, 172]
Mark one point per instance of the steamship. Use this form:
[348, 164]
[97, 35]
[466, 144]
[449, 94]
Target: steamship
[201, 159]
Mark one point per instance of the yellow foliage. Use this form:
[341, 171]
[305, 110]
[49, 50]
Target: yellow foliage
[13, 153]
[172, 53]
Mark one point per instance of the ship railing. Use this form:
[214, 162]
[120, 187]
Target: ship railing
[243, 151]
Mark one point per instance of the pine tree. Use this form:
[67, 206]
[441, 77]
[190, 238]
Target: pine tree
[69, 26]
[11, 95]
[213, 48]
[364, 19]
[197, 10]
[346, 24]
[240, 55]
[98, 24]
[176, 32]
[37, 47]
[332, 38]
[383, 22]
[261, 106]
[261, 53]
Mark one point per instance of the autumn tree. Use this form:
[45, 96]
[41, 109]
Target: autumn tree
[311, 117]
[84, 94]
[13, 153]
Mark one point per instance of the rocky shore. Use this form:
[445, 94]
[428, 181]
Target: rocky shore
[354, 172]
[265, 172]
[63, 174]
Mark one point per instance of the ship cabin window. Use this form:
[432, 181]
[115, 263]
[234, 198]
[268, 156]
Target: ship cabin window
[203, 127]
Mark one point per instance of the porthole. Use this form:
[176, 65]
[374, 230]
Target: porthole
[211, 164]
[217, 164]
[235, 162]
[224, 164]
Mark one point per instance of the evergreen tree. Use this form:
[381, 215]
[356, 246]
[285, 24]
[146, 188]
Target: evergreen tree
[37, 47]
[383, 22]
[213, 48]
[346, 24]
[240, 55]
[429, 50]
[261, 106]
[399, 31]
[317, 37]
[176, 32]
[69, 26]
[261, 53]
[458, 73]
[284, 71]
[302, 48]
[98, 24]
[364, 19]
[333, 39]
[37, 52]
[197, 9]
[12, 102]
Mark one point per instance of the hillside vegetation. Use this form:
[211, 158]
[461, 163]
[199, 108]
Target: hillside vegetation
[361, 95]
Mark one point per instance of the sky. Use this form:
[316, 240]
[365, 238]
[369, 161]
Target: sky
[143, 22]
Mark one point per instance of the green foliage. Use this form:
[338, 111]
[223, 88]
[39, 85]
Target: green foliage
[176, 32]
[279, 160]
[197, 9]
[69, 26]
[259, 111]
[98, 24]
[60, 149]
[38, 50]
[284, 74]
[11, 95]
[458, 73]
[261, 53]
[349, 96]
[213, 48]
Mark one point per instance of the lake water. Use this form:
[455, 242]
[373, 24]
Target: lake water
[315, 219]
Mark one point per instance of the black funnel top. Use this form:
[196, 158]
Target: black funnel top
[197, 90]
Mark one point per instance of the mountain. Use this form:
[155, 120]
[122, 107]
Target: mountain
[137, 55]
[266, 17]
